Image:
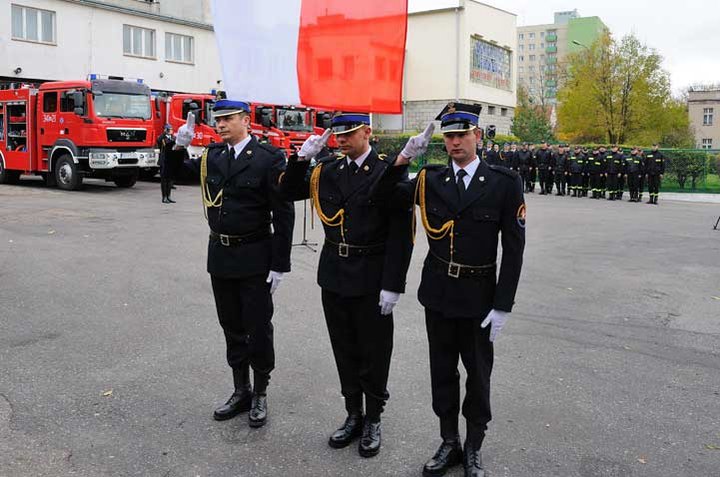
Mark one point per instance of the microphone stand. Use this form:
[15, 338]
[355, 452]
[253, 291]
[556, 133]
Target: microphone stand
[304, 242]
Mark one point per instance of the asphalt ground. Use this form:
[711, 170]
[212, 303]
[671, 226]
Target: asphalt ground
[112, 360]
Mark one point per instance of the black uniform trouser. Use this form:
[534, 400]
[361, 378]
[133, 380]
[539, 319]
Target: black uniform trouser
[634, 185]
[585, 183]
[621, 186]
[642, 185]
[576, 182]
[612, 184]
[560, 182]
[545, 181]
[450, 339]
[245, 308]
[362, 343]
[531, 179]
[653, 185]
[596, 184]
[524, 175]
[603, 184]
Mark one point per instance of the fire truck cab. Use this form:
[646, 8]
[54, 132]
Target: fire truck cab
[68, 130]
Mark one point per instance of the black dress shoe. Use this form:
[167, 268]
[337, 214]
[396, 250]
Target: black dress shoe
[165, 200]
[350, 430]
[258, 411]
[239, 402]
[170, 201]
[370, 440]
[448, 455]
[473, 462]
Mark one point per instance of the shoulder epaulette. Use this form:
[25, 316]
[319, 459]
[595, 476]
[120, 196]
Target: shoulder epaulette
[434, 167]
[505, 171]
[326, 159]
[216, 144]
[268, 147]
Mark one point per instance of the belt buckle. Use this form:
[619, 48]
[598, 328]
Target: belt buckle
[224, 240]
[454, 270]
[343, 250]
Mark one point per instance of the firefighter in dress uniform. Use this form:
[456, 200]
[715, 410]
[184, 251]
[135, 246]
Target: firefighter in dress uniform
[362, 266]
[464, 206]
[248, 251]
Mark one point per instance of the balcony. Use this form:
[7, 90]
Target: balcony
[551, 37]
[550, 83]
[551, 49]
[551, 60]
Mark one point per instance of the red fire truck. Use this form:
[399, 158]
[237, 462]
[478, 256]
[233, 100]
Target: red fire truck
[175, 108]
[297, 123]
[68, 130]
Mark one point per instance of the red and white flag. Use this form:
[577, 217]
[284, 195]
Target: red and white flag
[332, 54]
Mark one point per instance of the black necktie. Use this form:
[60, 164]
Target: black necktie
[461, 182]
[353, 167]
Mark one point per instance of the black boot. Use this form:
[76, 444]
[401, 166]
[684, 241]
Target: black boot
[473, 461]
[258, 408]
[163, 190]
[241, 399]
[370, 440]
[449, 453]
[350, 430]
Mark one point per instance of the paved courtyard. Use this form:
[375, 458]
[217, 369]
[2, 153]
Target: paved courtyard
[112, 360]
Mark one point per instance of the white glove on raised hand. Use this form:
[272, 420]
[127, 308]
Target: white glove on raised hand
[388, 300]
[186, 132]
[417, 145]
[496, 319]
[274, 279]
[313, 145]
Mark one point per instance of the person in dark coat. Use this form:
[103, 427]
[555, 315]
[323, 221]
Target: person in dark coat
[362, 269]
[171, 161]
[248, 251]
[464, 208]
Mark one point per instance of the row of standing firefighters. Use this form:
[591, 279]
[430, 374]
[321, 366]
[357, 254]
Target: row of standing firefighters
[581, 172]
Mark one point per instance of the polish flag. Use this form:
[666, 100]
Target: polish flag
[332, 54]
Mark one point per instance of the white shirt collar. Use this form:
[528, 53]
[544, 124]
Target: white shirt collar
[240, 146]
[359, 161]
[470, 168]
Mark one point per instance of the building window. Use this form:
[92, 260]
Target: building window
[542, 45]
[531, 46]
[531, 36]
[179, 48]
[503, 111]
[521, 47]
[542, 34]
[138, 41]
[521, 69]
[32, 24]
[521, 36]
[532, 58]
[521, 58]
[707, 143]
[708, 114]
[531, 69]
[491, 110]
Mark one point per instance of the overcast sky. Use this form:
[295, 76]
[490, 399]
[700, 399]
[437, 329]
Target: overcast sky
[686, 33]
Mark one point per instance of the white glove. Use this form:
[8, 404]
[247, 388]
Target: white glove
[313, 145]
[417, 145]
[388, 300]
[496, 319]
[186, 132]
[274, 278]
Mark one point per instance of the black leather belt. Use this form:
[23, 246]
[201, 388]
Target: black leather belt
[346, 250]
[234, 240]
[458, 270]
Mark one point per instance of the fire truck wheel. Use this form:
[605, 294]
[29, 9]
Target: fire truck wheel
[8, 177]
[67, 175]
[125, 181]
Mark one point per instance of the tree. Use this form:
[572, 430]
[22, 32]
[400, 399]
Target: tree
[531, 122]
[618, 93]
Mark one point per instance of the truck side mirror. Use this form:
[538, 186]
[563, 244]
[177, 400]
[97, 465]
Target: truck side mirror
[79, 102]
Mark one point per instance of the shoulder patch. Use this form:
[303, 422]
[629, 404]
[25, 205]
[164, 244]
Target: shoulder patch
[521, 215]
[505, 171]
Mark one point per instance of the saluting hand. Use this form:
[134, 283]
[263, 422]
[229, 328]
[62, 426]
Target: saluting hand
[417, 145]
[186, 132]
[496, 319]
[313, 145]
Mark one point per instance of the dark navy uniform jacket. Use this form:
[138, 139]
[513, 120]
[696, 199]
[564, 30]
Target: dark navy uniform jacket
[251, 206]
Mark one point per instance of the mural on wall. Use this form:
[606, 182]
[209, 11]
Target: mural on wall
[490, 64]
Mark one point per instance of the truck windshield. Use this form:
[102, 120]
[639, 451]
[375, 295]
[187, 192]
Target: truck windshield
[121, 105]
[293, 120]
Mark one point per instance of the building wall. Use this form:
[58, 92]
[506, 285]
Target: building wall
[89, 39]
[698, 101]
[585, 30]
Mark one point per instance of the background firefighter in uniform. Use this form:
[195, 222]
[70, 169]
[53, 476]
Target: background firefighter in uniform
[464, 206]
[248, 250]
[654, 169]
[362, 267]
[171, 161]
